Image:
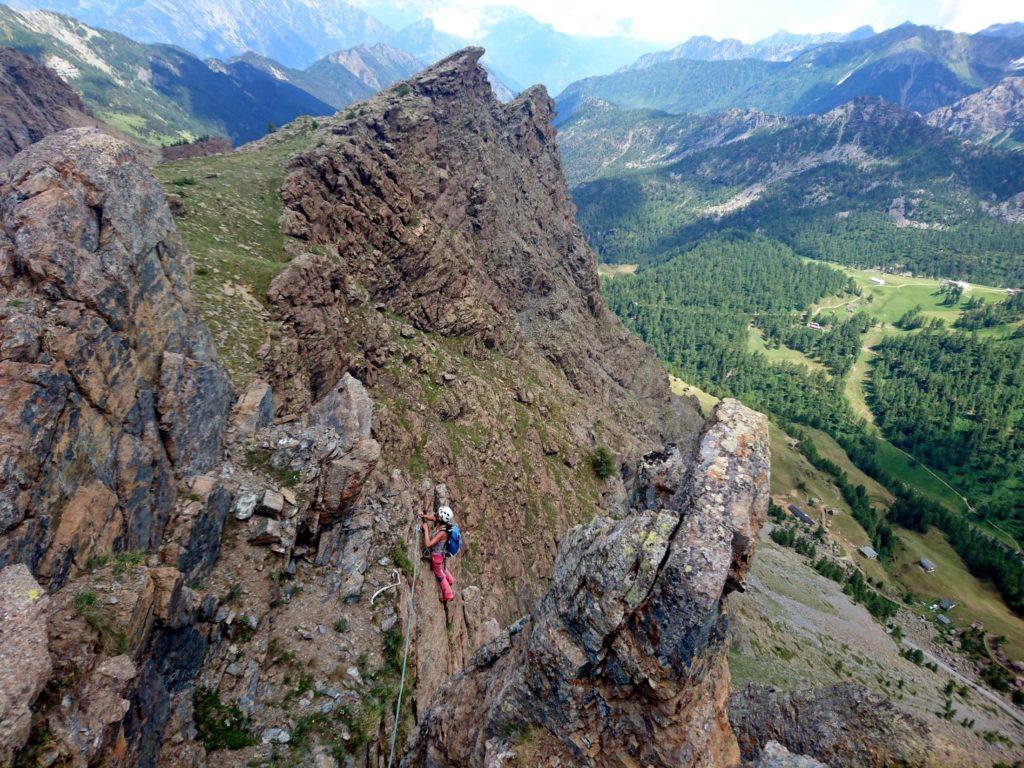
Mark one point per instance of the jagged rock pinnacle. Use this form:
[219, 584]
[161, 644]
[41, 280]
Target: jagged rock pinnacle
[623, 662]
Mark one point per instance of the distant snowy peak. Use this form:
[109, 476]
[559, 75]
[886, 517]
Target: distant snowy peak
[781, 46]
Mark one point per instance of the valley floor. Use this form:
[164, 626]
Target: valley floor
[794, 628]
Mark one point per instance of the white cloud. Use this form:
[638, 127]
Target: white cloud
[665, 21]
[972, 15]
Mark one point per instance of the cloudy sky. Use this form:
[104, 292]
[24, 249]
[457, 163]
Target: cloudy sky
[674, 20]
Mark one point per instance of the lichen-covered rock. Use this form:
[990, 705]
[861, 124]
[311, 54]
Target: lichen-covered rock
[774, 755]
[96, 319]
[24, 659]
[844, 725]
[623, 662]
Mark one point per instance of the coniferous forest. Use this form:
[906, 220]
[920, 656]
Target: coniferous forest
[952, 399]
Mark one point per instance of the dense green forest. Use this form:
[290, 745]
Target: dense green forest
[978, 314]
[957, 402]
[635, 219]
[832, 341]
[696, 310]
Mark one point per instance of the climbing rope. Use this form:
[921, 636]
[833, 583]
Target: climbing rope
[405, 652]
[393, 585]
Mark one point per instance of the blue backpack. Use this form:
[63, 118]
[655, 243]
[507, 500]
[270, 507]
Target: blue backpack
[454, 542]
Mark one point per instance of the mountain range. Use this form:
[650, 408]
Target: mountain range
[157, 93]
[294, 32]
[782, 46]
[161, 93]
[868, 183]
[338, 79]
[521, 51]
[917, 67]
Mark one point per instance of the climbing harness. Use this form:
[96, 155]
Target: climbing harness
[396, 583]
[405, 652]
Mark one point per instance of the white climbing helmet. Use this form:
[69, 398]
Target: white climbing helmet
[445, 514]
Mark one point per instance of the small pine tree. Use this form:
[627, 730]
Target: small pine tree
[603, 462]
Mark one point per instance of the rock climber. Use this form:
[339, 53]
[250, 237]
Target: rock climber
[437, 544]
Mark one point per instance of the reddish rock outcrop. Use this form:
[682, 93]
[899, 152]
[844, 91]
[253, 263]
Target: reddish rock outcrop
[107, 384]
[34, 102]
[24, 658]
[450, 209]
[215, 145]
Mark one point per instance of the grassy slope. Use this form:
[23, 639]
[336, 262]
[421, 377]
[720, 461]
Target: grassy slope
[781, 354]
[232, 231]
[976, 599]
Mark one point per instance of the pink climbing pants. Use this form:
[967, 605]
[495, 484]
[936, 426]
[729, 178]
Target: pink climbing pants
[444, 578]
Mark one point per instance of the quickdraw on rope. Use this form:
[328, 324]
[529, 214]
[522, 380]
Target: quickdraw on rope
[405, 652]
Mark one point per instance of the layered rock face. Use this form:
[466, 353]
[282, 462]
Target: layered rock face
[623, 662]
[107, 383]
[34, 102]
[109, 399]
[450, 209]
[437, 260]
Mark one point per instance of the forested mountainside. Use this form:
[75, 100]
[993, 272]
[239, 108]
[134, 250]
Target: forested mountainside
[917, 67]
[946, 397]
[869, 184]
[156, 93]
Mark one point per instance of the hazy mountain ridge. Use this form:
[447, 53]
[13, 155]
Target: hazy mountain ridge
[917, 67]
[781, 46]
[295, 32]
[342, 77]
[157, 93]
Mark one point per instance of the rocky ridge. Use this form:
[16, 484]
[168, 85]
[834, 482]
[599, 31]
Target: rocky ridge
[623, 661]
[140, 492]
[993, 116]
[34, 102]
[227, 579]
